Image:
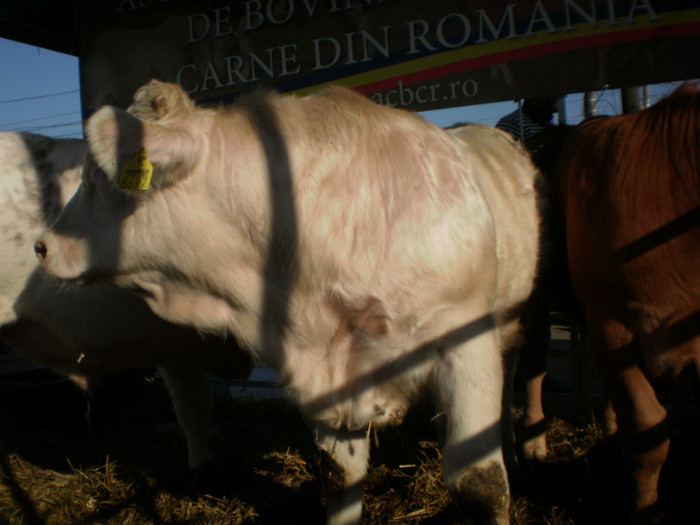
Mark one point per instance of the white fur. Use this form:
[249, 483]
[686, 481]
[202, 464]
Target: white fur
[362, 252]
[89, 332]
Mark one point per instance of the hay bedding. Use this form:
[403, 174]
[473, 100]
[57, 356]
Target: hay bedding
[130, 467]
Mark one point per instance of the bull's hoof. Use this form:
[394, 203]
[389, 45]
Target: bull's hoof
[211, 478]
[482, 495]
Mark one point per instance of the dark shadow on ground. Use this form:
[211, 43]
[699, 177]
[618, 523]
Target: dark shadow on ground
[266, 465]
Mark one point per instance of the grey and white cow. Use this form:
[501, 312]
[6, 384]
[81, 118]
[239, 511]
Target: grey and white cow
[89, 332]
[360, 251]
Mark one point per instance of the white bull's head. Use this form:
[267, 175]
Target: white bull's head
[148, 214]
[132, 155]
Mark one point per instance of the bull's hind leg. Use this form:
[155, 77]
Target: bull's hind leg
[343, 470]
[469, 383]
[191, 393]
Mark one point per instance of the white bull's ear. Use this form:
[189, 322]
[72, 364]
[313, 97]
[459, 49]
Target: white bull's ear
[158, 100]
[137, 154]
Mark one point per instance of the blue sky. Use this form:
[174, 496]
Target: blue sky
[30, 72]
[40, 93]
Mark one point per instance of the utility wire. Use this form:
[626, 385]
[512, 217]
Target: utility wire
[39, 96]
[38, 119]
[75, 135]
[54, 126]
[48, 126]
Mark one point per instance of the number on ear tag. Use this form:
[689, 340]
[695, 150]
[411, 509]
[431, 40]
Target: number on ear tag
[136, 174]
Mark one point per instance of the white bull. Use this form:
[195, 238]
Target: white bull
[89, 332]
[362, 252]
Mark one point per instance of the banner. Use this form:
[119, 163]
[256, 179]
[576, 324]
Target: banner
[415, 54]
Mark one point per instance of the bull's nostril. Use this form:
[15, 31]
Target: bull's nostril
[40, 250]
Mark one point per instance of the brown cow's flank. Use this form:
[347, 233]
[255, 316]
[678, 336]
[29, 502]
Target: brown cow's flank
[631, 192]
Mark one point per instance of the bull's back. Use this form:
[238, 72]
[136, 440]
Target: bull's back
[395, 206]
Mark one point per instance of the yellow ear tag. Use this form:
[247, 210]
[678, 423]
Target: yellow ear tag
[136, 174]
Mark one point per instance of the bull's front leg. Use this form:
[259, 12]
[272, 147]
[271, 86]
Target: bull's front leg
[343, 471]
[469, 383]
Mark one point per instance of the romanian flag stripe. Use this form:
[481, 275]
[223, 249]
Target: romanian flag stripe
[504, 50]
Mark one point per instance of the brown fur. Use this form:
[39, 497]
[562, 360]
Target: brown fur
[630, 186]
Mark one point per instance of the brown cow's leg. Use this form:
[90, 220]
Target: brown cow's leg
[645, 434]
[641, 420]
[534, 440]
[609, 419]
[532, 366]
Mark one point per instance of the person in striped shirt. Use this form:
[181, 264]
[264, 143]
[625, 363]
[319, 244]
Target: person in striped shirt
[531, 117]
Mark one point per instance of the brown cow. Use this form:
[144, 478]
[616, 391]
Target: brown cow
[630, 189]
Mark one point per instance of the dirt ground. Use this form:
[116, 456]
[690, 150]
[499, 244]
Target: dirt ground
[128, 465]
